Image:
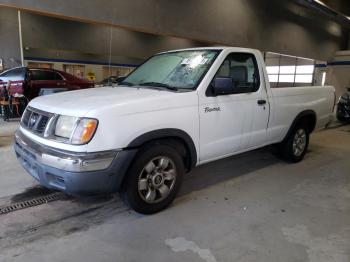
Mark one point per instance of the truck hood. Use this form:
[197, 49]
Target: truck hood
[122, 100]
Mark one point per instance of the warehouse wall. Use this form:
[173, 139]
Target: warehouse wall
[48, 37]
[9, 38]
[279, 26]
[338, 72]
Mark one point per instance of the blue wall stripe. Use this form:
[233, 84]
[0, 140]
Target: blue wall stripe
[75, 61]
[336, 63]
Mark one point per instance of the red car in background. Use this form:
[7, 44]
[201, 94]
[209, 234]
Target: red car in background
[32, 82]
[21, 84]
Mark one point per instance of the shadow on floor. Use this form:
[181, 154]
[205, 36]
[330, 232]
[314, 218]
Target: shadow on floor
[227, 169]
[30, 193]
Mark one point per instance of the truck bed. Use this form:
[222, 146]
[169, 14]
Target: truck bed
[287, 102]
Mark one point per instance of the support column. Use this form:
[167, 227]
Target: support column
[10, 51]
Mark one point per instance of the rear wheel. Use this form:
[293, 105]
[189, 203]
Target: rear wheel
[154, 179]
[295, 146]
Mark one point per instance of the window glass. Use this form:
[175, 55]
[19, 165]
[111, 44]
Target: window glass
[303, 78]
[243, 70]
[57, 76]
[20, 72]
[273, 70]
[305, 69]
[286, 78]
[287, 70]
[182, 69]
[273, 78]
[45, 75]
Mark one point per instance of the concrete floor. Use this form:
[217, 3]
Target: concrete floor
[252, 207]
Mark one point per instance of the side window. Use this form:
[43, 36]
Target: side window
[242, 68]
[45, 75]
[20, 72]
[57, 76]
[36, 75]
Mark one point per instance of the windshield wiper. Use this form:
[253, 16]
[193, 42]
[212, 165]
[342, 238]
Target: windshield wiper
[126, 83]
[156, 84]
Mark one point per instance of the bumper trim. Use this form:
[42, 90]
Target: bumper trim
[65, 160]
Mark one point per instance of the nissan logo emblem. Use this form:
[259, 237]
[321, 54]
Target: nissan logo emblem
[32, 120]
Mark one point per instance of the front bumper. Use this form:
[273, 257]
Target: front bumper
[72, 172]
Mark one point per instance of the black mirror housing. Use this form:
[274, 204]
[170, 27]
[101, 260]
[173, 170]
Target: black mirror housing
[223, 86]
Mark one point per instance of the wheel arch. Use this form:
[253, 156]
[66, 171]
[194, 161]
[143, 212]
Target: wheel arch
[169, 134]
[308, 117]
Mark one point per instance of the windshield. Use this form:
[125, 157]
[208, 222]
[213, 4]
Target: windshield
[181, 69]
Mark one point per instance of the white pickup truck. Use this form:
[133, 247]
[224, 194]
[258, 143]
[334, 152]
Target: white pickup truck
[178, 110]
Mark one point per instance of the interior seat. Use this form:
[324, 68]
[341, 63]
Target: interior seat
[239, 75]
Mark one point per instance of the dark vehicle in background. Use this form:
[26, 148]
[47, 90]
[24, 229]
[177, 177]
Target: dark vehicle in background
[30, 81]
[110, 81]
[343, 108]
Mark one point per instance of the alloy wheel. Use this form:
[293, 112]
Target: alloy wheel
[299, 142]
[157, 179]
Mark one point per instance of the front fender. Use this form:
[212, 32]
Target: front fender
[164, 134]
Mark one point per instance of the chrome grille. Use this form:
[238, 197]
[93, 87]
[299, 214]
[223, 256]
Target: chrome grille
[42, 124]
[36, 120]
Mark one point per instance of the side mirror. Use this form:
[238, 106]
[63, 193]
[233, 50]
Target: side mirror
[223, 86]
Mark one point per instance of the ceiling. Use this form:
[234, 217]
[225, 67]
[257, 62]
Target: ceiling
[341, 6]
[338, 10]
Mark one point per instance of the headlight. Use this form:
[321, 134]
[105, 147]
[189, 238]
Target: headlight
[84, 131]
[75, 130]
[65, 126]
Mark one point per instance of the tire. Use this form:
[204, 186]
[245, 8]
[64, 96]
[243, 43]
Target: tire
[294, 148]
[343, 119]
[154, 178]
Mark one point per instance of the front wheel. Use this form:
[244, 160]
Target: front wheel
[154, 179]
[295, 146]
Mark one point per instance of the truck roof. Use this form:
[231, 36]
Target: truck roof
[240, 49]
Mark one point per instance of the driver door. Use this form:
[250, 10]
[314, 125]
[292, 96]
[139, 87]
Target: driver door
[228, 121]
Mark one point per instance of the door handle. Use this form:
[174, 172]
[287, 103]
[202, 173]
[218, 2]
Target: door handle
[261, 102]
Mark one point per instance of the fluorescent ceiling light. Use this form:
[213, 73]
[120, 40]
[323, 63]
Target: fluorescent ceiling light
[320, 2]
